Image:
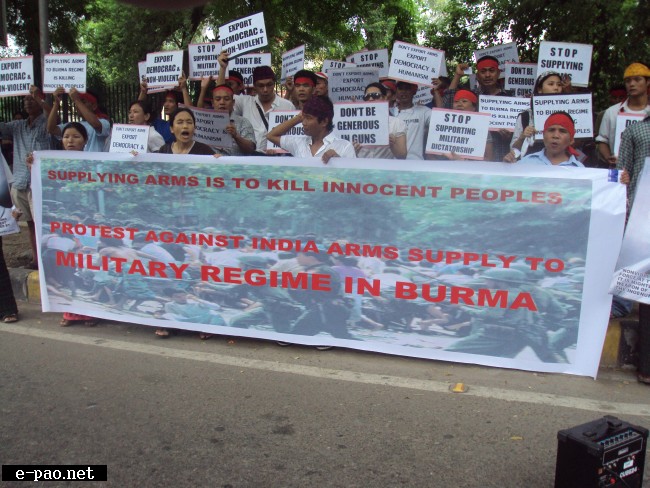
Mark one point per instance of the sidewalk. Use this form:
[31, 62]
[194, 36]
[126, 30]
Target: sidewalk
[617, 350]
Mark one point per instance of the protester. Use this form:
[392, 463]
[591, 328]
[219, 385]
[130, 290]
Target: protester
[321, 84]
[241, 130]
[416, 118]
[300, 87]
[317, 117]
[183, 124]
[140, 114]
[396, 148]
[8, 307]
[559, 132]
[467, 101]
[170, 103]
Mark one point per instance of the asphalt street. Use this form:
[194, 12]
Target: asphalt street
[232, 412]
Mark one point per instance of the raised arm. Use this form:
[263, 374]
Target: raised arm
[278, 131]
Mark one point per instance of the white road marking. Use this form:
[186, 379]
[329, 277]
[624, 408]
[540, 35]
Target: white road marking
[600, 406]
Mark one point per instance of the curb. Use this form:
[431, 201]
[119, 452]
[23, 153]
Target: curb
[26, 286]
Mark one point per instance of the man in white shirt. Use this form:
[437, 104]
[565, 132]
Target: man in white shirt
[317, 117]
[416, 118]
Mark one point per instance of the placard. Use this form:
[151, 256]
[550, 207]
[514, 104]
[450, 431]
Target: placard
[579, 106]
[520, 78]
[126, 138]
[504, 110]
[423, 95]
[16, 76]
[292, 62]
[276, 117]
[329, 65]
[415, 64]
[203, 60]
[505, 53]
[365, 123]
[243, 35]
[463, 133]
[210, 127]
[66, 70]
[164, 68]
[377, 58]
[567, 59]
[142, 76]
[8, 224]
[349, 84]
[623, 121]
[246, 63]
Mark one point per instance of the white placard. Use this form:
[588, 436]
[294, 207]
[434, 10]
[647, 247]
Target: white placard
[415, 64]
[292, 62]
[66, 70]
[164, 69]
[504, 110]
[577, 105]
[377, 58]
[276, 117]
[463, 133]
[345, 85]
[16, 76]
[623, 121]
[203, 60]
[210, 127]
[443, 66]
[246, 63]
[423, 95]
[8, 224]
[330, 64]
[505, 53]
[243, 35]
[364, 122]
[520, 78]
[127, 137]
[567, 59]
[142, 75]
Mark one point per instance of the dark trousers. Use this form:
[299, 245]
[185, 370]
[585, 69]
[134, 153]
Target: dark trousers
[7, 301]
[644, 339]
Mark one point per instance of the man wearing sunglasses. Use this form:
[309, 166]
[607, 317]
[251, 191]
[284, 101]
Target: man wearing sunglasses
[396, 131]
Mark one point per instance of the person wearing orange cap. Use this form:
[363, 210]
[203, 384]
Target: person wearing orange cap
[94, 121]
[637, 82]
[559, 131]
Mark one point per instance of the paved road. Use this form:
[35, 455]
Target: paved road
[234, 412]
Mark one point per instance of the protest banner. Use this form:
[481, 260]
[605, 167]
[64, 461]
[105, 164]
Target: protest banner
[276, 117]
[463, 133]
[423, 95]
[377, 58]
[520, 78]
[567, 59]
[504, 110]
[164, 68]
[365, 123]
[415, 64]
[243, 35]
[623, 121]
[349, 84]
[142, 76]
[16, 76]
[292, 62]
[632, 277]
[505, 53]
[329, 65]
[203, 60]
[129, 137]
[66, 70]
[246, 63]
[398, 221]
[210, 127]
[577, 105]
[8, 224]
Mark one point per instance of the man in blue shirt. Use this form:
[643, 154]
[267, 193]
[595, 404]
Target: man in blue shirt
[559, 130]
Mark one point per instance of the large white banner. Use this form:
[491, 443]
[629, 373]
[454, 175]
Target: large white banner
[488, 263]
[632, 277]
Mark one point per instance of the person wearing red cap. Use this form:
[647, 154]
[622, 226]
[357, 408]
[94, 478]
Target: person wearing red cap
[637, 82]
[321, 84]
[300, 87]
[559, 131]
[94, 121]
[467, 101]
[317, 117]
[256, 108]
[416, 118]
